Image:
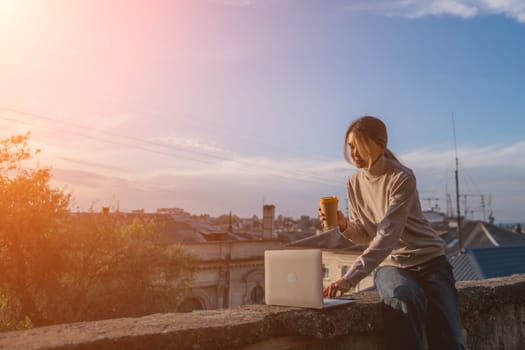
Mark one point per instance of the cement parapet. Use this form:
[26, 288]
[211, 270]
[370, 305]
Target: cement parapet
[492, 312]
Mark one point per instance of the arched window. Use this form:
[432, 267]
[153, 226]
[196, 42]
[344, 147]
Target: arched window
[189, 305]
[326, 272]
[257, 295]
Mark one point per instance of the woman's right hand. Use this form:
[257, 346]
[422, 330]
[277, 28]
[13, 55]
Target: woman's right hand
[342, 223]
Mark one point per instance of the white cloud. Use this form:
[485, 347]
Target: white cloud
[421, 8]
[511, 8]
[448, 7]
[236, 3]
[191, 144]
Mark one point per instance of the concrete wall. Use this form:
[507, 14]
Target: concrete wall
[492, 312]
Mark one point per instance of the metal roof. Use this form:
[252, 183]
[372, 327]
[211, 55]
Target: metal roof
[480, 263]
[480, 234]
[465, 267]
[500, 261]
[505, 237]
[328, 240]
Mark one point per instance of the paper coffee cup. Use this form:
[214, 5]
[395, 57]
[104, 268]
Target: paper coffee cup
[329, 208]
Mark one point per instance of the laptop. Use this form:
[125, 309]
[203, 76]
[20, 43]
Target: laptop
[295, 278]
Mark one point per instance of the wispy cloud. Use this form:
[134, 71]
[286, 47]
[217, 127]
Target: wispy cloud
[511, 8]
[193, 144]
[493, 171]
[93, 164]
[510, 156]
[241, 184]
[420, 8]
[84, 178]
[236, 3]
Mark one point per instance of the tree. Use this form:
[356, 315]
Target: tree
[30, 215]
[62, 267]
[118, 267]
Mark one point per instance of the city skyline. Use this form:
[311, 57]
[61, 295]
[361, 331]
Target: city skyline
[219, 105]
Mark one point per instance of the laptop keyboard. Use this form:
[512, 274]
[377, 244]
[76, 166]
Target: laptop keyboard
[336, 301]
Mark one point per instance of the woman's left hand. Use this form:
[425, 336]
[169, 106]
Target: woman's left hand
[341, 221]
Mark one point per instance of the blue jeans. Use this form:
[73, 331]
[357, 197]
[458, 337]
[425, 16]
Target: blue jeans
[418, 301]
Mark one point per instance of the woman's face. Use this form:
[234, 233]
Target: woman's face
[365, 158]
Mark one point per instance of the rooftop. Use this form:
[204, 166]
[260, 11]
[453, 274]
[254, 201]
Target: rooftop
[480, 263]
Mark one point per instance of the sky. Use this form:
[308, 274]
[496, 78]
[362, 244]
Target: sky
[219, 105]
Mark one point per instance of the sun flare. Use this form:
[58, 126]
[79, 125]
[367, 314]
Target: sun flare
[5, 5]
[6, 11]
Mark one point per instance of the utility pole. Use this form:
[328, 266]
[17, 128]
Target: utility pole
[483, 207]
[458, 212]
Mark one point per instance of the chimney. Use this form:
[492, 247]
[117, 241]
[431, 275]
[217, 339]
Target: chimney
[268, 222]
[230, 223]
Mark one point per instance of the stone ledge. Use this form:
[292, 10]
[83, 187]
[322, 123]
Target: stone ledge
[484, 294]
[259, 326]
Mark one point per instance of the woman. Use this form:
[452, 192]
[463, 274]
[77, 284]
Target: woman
[415, 282]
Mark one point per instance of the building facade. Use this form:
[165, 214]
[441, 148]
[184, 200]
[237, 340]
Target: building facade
[228, 274]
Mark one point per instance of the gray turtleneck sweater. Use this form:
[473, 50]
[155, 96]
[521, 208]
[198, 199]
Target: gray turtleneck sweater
[385, 213]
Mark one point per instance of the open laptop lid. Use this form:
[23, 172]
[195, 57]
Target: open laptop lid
[295, 278]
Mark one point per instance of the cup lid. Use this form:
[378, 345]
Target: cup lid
[329, 199]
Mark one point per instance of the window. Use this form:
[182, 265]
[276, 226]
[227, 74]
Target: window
[257, 295]
[325, 271]
[344, 269]
[189, 305]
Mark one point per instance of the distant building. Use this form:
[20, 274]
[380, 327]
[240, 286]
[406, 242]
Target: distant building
[338, 256]
[230, 263]
[480, 234]
[337, 262]
[304, 222]
[434, 216]
[268, 222]
[171, 211]
[229, 274]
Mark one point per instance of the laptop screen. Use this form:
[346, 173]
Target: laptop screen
[293, 277]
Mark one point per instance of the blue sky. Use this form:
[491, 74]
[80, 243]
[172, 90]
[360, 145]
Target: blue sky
[213, 105]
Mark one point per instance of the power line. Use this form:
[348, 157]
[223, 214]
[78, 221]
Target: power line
[131, 138]
[109, 141]
[298, 175]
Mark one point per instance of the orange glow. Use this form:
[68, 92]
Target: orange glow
[5, 5]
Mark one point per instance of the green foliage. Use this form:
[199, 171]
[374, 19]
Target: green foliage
[63, 267]
[30, 214]
[117, 268]
[7, 322]
[13, 151]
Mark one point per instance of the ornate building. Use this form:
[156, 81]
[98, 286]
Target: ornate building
[230, 264]
[229, 273]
